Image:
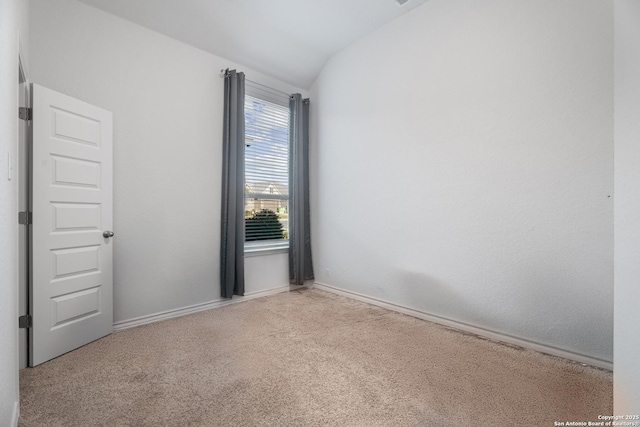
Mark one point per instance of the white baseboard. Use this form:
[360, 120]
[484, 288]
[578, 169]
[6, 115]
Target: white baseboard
[177, 312]
[16, 414]
[496, 336]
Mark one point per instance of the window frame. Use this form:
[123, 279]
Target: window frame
[265, 247]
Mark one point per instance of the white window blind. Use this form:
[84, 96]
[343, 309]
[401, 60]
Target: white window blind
[266, 164]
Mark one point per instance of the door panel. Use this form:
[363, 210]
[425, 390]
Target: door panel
[72, 281]
[78, 128]
[75, 216]
[75, 173]
[75, 306]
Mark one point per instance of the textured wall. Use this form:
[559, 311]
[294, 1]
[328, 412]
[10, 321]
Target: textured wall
[13, 27]
[627, 207]
[462, 165]
[166, 98]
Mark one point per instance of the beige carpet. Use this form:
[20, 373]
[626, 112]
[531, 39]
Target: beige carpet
[307, 358]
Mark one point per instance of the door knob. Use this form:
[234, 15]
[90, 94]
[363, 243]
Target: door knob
[107, 234]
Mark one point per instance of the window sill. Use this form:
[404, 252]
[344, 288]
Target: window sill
[266, 248]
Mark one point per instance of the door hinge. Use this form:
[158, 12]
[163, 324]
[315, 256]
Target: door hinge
[25, 321]
[25, 218]
[25, 113]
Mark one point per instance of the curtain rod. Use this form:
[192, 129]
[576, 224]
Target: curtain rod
[224, 73]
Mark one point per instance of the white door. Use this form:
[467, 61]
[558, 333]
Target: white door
[72, 278]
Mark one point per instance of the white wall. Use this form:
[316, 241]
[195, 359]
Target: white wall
[166, 98]
[462, 166]
[13, 30]
[627, 207]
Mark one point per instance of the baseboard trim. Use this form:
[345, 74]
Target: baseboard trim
[183, 311]
[476, 330]
[16, 414]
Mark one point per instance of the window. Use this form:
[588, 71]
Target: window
[266, 168]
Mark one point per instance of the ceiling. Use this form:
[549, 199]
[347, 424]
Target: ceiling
[288, 39]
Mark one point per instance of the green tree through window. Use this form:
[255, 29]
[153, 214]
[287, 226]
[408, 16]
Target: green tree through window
[263, 225]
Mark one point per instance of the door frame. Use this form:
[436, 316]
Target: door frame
[23, 241]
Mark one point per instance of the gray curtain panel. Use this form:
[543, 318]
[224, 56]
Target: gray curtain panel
[232, 236]
[300, 264]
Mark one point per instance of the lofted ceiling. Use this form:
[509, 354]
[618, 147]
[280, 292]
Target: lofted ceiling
[288, 39]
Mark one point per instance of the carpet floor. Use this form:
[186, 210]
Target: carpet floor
[307, 358]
